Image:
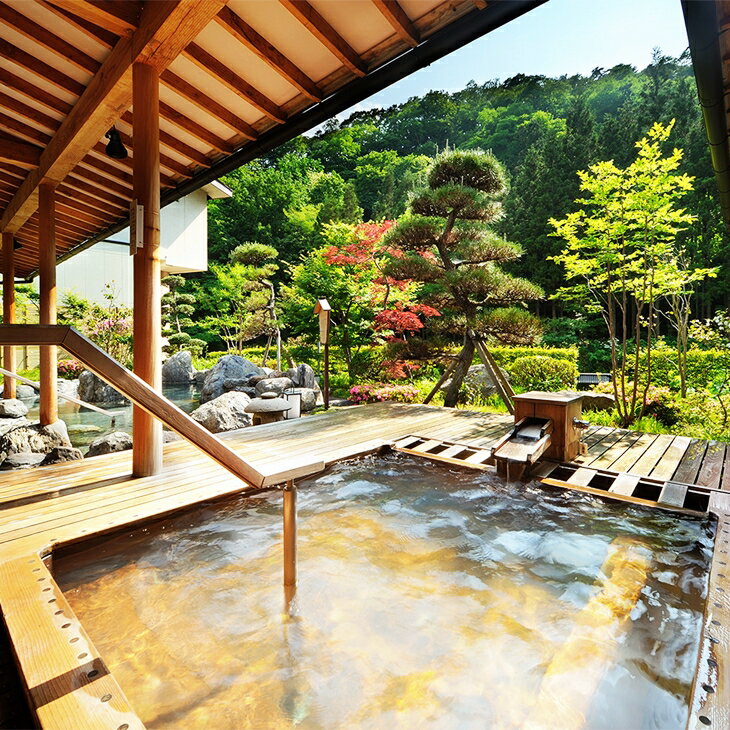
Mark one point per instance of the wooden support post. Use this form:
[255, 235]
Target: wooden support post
[146, 430]
[9, 309]
[47, 270]
[290, 535]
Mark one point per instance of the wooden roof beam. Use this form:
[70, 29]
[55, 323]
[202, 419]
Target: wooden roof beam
[33, 92]
[37, 33]
[208, 62]
[166, 27]
[326, 34]
[268, 53]
[92, 30]
[207, 104]
[400, 22]
[121, 17]
[21, 153]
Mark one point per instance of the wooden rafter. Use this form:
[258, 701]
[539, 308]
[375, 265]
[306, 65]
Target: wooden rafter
[208, 62]
[165, 28]
[92, 30]
[44, 37]
[21, 153]
[325, 34]
[400, 22]
[31, 91]
[207, 104]
[121, 17]
[268, 53]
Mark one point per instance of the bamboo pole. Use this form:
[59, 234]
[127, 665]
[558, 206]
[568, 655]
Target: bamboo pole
[146, 430]
[47, 270]
[9, 360]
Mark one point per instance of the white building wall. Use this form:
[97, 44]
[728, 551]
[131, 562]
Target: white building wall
[184, 249]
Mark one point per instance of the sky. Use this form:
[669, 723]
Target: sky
[559, 37]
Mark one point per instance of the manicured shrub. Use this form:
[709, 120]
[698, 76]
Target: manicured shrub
[377, 392]
[537, 372]
[69, 369]
[505, 356]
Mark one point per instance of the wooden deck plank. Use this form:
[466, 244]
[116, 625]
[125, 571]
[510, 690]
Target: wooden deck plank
[652, 456]
[689, 467]
[624, 484]
[582, 477]
[629, 457]
[711, 468]
[615, 450]
[671, 459]
[673, 494]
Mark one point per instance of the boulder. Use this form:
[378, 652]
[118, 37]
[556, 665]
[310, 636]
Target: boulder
[168, 436]
[199, 377]
[26, 392]
[25, 460]
[62, 453]
[309, 399]
[32, 438]
[598, 401]
[8, 424]
[224, 413]
[273, 385]
[178, 368]
[303, 377]
[229, 367]
[116, 441]
[95, 390]
[478, 380]
[68, 387]
[12, 408]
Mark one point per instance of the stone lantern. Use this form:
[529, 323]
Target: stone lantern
[267, 408]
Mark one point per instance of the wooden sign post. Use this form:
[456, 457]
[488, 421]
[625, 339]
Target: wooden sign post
[323, 309]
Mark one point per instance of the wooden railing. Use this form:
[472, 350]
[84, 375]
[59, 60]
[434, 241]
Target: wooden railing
[144, 396]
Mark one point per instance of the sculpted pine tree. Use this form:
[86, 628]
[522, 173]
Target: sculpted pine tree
[449, 246]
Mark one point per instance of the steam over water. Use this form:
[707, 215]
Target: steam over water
[428, 597]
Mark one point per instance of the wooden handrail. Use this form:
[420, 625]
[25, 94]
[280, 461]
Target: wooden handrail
[144, 396]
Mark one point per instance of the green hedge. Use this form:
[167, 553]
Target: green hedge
[704, 367]
[505, 356]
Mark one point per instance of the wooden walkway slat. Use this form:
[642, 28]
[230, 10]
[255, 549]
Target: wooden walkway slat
[633, 453]
[711, 469]
[689, 467]
[672, 457]
[651, 456]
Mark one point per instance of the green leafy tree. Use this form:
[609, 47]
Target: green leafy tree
[621, 253]
[241, 298]
[449, 247]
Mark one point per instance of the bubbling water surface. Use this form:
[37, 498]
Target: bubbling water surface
[428, 597]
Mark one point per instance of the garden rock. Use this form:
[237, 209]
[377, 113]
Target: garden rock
[229, 367]
[116, 441]
[303, 377]
[224, 413]
[309, 399]
[273, 385]
[12, 408]
[95, 390]
[598, 401]
[33, 438]
[25, 460]
[8, 424]
[199, 377]
[168, 436]
[59, 454]
[178, 368]
[26, 392]
[68, 387]
[478, 380]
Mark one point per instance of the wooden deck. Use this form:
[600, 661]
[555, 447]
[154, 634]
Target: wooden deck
[43, 508]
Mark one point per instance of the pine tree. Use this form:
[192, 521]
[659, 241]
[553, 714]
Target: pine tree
[449, 246]
[177, 310]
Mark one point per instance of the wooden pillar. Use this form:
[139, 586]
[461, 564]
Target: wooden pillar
[9, 362]
[147, 431]
[47, 269]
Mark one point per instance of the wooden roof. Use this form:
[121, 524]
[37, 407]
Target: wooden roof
[237, 78]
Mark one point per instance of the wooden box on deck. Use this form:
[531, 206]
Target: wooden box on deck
[562, 408]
